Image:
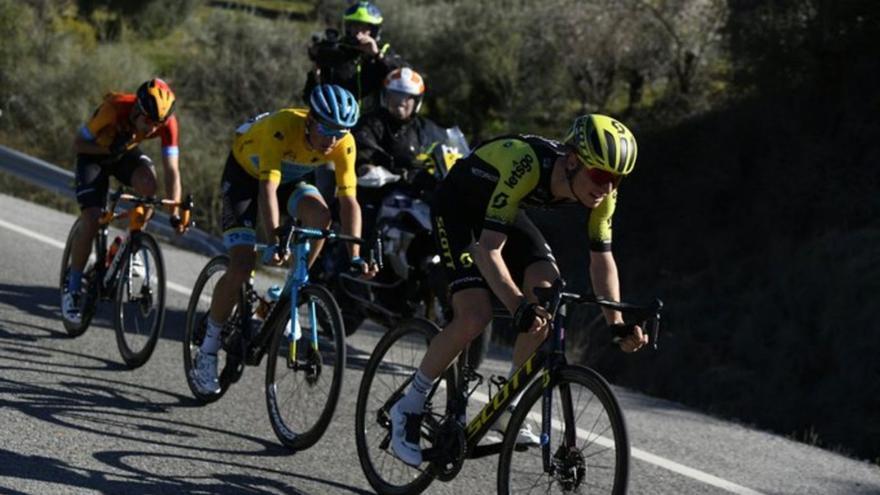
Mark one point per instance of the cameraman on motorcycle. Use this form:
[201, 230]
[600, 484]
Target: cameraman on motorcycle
[357, 60]
[393, 136]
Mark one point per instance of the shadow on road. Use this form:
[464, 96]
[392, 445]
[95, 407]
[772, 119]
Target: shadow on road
[127, 479]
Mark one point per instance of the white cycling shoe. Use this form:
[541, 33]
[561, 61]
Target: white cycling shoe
[70, 308]
[406, 431]
[525, 437]
[204, 374]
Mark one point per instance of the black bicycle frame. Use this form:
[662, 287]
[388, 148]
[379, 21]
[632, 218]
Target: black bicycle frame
[108, 276]
[549, 356]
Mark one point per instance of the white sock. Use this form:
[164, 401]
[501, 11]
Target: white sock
[212, 343]
[418, 391]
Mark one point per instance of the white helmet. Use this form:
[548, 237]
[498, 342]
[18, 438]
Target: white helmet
[407, 81]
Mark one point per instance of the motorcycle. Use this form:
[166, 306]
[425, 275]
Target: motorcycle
[411, 281]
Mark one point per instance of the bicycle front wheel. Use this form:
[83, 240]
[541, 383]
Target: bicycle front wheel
[588, 444]
[302, 387]
[140, 300]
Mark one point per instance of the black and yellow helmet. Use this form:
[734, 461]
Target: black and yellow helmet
[604, 143]
[366, 13]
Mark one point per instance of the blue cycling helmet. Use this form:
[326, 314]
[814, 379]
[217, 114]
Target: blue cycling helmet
[334, 106]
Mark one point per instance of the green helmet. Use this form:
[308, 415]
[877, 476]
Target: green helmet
[363, 12]
[604, 143]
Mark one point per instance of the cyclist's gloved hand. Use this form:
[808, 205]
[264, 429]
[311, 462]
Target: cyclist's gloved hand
[273, 255]
[530, 317]
[630, 338]
[359, 267]
[176, 222]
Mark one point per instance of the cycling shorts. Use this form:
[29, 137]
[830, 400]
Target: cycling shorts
[240, 192]
[93, 175]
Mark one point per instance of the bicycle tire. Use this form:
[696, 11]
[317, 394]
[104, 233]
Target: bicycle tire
[394, 367]
[194, 332]
[609, 419]
[128, 330]
[304, 427]
[88, 310]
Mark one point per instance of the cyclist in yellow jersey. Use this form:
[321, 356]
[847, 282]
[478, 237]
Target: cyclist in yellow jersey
[272, 161]
[487, 243]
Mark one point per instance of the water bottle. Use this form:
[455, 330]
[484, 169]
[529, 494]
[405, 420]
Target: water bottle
[274, 293]
[272, 296]
[113, 249]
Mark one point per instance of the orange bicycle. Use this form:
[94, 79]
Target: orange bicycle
[129, 271]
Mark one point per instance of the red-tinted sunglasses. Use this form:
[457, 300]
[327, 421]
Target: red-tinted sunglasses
[602, 177]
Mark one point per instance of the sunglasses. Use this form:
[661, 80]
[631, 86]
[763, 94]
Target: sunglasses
[602, 177]
[330, 132]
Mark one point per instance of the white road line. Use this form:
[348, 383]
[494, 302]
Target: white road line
[650, 458]
[639, 454]
[60, 245]
[31, 234]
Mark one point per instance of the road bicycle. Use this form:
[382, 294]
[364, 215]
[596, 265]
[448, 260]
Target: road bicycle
[584, 446]
[130, 271]
[302, 333]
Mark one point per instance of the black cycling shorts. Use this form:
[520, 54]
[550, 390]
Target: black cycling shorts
[93, 175]
[455, 229]
[239, 195]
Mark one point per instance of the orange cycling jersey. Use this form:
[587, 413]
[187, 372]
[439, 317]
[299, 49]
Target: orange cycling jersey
[274, 147]
[114, 117]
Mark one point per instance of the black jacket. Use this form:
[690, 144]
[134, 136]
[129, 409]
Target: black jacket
[338, 62]
[383, 140]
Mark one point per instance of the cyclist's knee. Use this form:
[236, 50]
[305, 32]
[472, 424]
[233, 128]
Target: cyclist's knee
[144, 181]
[311, 210]
[539, 274]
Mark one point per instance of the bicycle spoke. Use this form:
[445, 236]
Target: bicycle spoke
[595, 463]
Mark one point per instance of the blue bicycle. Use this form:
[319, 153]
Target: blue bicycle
[302, 332]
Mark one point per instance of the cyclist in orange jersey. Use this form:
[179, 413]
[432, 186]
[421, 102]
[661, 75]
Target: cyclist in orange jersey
[108, 145]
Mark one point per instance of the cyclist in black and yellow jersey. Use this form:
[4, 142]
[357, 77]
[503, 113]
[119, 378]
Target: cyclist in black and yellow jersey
[488, 243]
[272, 163]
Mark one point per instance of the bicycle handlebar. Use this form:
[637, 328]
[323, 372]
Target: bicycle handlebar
[186, 206]
[291, 233]
[647, 315]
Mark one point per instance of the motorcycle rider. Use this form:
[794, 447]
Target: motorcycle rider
[357, 60]
[393, 135]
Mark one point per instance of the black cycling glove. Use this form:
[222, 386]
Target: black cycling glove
[524, 316]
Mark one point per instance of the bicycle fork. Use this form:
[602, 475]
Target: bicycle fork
[298, 279]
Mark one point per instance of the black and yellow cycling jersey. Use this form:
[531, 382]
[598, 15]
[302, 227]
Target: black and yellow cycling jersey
[510, 172]
[488, 190]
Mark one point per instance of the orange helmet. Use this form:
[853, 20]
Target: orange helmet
[406, 81]
[155, 100]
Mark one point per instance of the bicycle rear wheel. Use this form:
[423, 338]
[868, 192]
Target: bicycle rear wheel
[589, 448]
[389, 370]
[140, 300]
[302, 393]
[90, 301]
[196, 326]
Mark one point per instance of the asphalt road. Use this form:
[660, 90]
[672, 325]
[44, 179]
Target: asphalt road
[75, 421]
